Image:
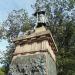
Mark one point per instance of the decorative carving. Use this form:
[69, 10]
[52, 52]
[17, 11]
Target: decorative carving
[29, 65]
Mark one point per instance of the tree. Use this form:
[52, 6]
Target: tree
[2, 32]
[61, 18]
[16, 23]
[2, 71]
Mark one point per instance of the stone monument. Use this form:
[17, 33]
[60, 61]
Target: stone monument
[35, 51]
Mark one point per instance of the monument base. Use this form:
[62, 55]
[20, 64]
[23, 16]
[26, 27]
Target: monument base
[34, 64]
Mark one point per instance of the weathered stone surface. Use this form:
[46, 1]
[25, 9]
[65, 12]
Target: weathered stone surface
[29, 65]
[51, 65]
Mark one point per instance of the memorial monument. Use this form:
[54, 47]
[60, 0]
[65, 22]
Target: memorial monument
[35, 51]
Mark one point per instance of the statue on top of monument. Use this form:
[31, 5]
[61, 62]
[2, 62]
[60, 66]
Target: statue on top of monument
[40, 13]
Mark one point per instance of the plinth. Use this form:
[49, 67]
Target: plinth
[34, 54]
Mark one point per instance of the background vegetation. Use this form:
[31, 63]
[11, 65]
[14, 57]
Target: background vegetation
[61, 17]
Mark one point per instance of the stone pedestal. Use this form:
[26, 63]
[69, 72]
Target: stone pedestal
[34, 54]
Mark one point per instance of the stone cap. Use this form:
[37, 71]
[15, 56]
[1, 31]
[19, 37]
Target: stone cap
[36, 36]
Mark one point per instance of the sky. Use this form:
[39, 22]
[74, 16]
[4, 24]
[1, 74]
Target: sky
[6, 6]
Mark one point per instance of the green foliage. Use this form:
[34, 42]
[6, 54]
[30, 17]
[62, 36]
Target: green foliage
[16, 22]
[2, 71]
[2, 32]
[63, 29]
[66, 54]
[61, 16]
